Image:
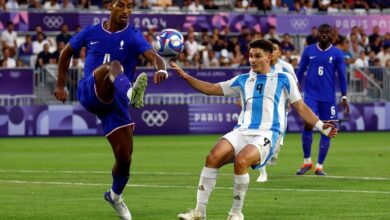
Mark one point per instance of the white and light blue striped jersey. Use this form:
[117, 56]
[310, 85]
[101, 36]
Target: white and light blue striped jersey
[283, 66]
[263, 99]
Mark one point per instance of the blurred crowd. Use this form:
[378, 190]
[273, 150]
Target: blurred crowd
[216, 48]
[267, 6]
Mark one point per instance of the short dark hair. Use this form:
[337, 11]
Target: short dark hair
[325, 26]
[266, 45]
[274, 41]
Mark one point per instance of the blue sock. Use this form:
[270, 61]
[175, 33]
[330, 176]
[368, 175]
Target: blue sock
[119, 183]
[122, 85]
[324, 147]
[307, 139]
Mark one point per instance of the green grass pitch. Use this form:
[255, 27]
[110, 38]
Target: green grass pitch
[64, 178]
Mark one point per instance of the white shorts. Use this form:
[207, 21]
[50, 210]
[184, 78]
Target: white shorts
[240, 140]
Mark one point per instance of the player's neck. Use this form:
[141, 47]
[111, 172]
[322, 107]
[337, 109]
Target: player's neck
[324, 46]
[112, 26]
[273, 62]
[263, 71]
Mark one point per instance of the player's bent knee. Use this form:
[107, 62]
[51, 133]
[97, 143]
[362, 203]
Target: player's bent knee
[240, 161]
[212, 160]
[116, 68]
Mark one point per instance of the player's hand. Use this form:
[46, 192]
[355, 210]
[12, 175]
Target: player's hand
[159, 76]
[61, 94]
[329, 130]
[179, 70]
[345, 107]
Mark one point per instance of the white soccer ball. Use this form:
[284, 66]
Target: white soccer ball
[169, 43]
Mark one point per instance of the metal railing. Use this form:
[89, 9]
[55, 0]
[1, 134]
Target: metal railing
[369, 84]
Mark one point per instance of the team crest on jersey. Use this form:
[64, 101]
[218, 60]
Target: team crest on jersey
[121, 45]
[330, 59]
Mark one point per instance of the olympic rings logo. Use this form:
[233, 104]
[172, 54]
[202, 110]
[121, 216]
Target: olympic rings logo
[299, 24]
[155, 118]
[53, 21]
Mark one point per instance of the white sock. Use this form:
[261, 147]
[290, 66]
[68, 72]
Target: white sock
[115, 197]
[262, 170]
[130, 94]
[241, 183]
[307, 160]
[207, 181]
[319, 166]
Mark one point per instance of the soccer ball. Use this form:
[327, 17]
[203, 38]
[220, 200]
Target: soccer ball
[169, 43]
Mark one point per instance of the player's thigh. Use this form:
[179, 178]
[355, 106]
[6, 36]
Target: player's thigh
[249, 155]
[221, 154]
[104, 77]
[327, 111]
[312, 104]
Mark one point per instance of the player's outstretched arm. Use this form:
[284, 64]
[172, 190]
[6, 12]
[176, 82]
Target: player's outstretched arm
[159, 64]
[309, 117]
[63, 67]
[202, 86]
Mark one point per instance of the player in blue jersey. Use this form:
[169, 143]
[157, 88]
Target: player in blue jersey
[277, 65]
[264, 96]
[322, 60]
[113, 47]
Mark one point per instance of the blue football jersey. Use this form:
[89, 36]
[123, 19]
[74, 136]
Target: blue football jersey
[103, 46]
[322, 65]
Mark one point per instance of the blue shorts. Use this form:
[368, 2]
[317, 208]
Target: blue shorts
[326, 111]
[113, 115]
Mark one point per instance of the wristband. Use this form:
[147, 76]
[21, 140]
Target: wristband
[344, 97]
[163, 71]
[319, 125]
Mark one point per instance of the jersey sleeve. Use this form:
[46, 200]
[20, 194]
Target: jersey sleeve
[231, 87]
[303, 64]
[292, 89]
[78, 40]
[341, 72]
[140, 42]
[290, 69]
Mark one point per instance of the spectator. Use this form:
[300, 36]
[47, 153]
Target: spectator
[263, 5]
[212, 60]
[44, 57]
[386, 40]
[68, 5]
[375, 34]
[3, 6]
[56, 54]
[313, 37]
[336, 37]
[8, 39]
[64, 36]
[7, 61]
[384, 55]
[209, 5]
[84, 4]
[286, 44]
[361, 61]
[38, 44]
[26, 50]
[195, 6]
[272, 34]
[20, 63]
[376, 46]
[237, 56]
[355, 47]
[12, 5]
[51, 5]
[144, 5]
[163, 3]
[34, 4]
[38, 29]
[224, 58]
[191, 46]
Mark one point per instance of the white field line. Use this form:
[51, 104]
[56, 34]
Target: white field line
[181, 174]
[190, 187]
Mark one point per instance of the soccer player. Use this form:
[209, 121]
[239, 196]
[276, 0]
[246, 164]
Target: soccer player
[113, 47]
[277, 65]
[321, 60]
[263, 96]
